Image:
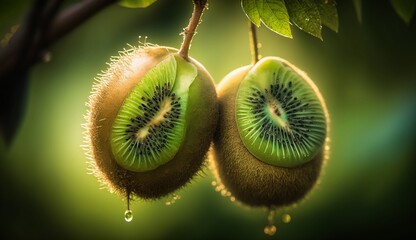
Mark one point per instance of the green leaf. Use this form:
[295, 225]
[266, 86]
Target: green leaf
[404, 8]
[136, 3]
[329, 14]
[272, 13]
[358, 10]
[308, 15]
[250, 9]
[305, 15]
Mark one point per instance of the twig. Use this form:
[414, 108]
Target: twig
[35, 50]
[12, 55]
[199, 6]
[73, 17]
[41, 29]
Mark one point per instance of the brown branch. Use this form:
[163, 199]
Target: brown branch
[199, 6]
[34, 52]
[12, 54]
[73, 17]
[41, 29]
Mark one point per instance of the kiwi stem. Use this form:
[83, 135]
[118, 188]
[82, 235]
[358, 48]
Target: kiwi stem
[189, 32]
[254, 48]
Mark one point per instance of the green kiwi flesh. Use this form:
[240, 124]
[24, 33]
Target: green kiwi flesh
[150, 125]
[251, 180]
[279, 116]
[120, 119]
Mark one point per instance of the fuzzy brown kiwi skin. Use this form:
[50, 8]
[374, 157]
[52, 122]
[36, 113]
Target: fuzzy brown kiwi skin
[104, 104]
[250, 180]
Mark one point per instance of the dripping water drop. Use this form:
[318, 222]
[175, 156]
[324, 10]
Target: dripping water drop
[128, 215]
[270, 229]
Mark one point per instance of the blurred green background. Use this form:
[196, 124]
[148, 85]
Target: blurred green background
[366, 72]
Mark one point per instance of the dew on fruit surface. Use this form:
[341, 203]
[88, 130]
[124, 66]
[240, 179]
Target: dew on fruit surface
[173, 200]
[144, 42]
[270, 228]
[219, 188]
[223, 192]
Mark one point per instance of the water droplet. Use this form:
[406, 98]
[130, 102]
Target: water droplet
[270, 230]
[128, 215]
[270, 217]
[286, 218]
[46, 56]
[174, 198]
[224, 192]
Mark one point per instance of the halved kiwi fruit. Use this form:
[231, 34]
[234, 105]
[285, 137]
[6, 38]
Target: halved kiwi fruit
[151, 120]
[271, 139]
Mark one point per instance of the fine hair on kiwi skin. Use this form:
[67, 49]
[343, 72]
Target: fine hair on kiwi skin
[108, 95]
[249, 180]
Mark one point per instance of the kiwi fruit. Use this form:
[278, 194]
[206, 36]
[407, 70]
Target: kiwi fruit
[151, 119]
[272, 136]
